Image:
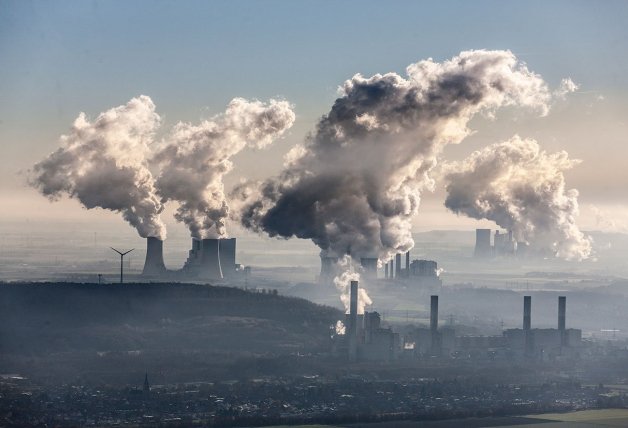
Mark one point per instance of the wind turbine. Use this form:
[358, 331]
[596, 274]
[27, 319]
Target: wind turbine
[121, 260]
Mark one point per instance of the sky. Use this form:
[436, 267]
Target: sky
[58, 59]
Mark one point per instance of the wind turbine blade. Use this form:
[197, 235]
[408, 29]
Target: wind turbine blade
[116, 251]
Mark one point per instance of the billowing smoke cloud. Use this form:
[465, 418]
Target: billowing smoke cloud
[103, 164]
[195, 159]
[355, 184]
[521, 188]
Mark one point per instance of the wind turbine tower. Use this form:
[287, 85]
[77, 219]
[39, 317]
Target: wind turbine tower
[122, 262]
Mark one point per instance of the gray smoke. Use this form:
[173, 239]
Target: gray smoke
[521, 188]
[355, 184]
[103, 164]
[195, 158]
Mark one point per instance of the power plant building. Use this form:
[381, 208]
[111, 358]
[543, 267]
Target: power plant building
[213, 258]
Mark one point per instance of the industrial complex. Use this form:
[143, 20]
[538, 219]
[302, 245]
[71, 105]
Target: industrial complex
[503, 244]
[419, 272]
[365, 339]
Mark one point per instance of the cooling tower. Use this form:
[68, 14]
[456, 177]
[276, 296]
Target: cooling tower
[154, 264]
[210, 259]
[370, 267]
[482, 242]
[327, 269]
[227, 253]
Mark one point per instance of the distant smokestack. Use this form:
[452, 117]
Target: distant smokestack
[353, 321]
[562, 312]
[398, 266]
[435, 339]
[210, 259]
[391, 270]
[227, 252]
[408, 263]
[386, 270]
[154, 264]
[369, 264]
[527, 312]
[434, 314]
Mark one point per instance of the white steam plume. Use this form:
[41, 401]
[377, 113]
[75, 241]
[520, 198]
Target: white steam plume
[521, 188]
[195, 159]
[343, 284]
[356, 183]
[104, 164]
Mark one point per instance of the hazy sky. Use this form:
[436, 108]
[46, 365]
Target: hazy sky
[60, 58]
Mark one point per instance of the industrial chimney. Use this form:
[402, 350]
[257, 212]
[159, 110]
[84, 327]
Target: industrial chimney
[408, 264]
[434, 314]
[527, 312]
[210, 259]
[527, 324]
[562, 315]
[391, 270]
[434, 324]
[154, 264]
[386, 270]
[562, 312]
[353, 321]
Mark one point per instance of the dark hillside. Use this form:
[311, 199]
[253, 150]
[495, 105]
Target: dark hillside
[43, 317]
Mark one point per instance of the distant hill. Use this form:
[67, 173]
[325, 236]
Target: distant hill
[38, 318]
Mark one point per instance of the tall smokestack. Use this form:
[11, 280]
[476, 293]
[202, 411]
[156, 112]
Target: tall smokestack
[527, 312]
[408, 264]
[353, 321]
[435, 348]
[154, 263]
[434, 314]
[527, 321]
[210, 259]
[391, 270]
[386, 270]
[562, 312]
[398, 266]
